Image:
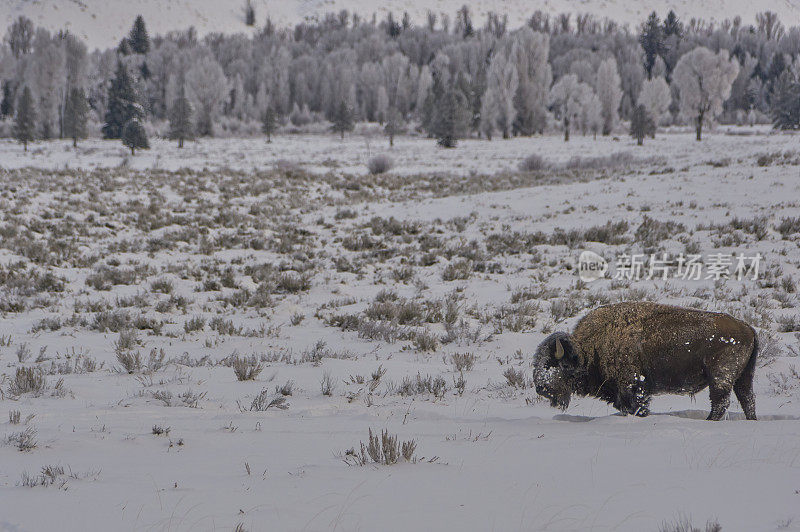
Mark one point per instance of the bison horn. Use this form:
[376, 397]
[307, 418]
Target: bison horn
[559, 350]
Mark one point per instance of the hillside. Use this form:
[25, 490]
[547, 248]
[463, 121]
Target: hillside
[103, 22]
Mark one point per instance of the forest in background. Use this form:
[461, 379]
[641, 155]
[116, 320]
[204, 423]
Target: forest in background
[450, 78]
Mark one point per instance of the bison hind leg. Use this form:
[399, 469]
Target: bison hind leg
[743, 387]
[720, 401]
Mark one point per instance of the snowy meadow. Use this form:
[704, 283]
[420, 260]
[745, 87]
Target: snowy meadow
[252, 336]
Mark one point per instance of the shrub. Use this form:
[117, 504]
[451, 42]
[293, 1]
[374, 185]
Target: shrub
[327, 384]
[383, 450]
[28, 380]
[197, 323]
[515, 378]
[262, 402]
[463, 361]
[380, 164]
[425, 341]
[24, 440]
[533, 163]
[246, 368]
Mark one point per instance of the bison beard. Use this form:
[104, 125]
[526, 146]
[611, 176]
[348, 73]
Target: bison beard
[627, 352]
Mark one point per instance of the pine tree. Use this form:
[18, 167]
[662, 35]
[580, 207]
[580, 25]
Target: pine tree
[451, 118]
[134, 136]
[139, 40]
[25, 122]
[785, 107]
[672, 26]
[7, 104]
[269, 123]
[249, 13]
[122, 106]
[76, 110]
[124, 47]
[343, 119]
[642, 124]
[180, 118]
[652, 40]
[394, 123]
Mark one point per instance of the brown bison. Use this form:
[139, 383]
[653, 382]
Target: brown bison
[627, 352]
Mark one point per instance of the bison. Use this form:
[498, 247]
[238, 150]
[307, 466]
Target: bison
[627, 352]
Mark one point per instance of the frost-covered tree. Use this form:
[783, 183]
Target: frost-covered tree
[609, 93]
[497, 107]
[25, 120]
[46, 75]
[591, 117]
[529, 52]
[394, 124]
[122, 105]
[567, 99]
[134, 136]
[76, 111]
[208, 88]
[181, 127]
[785, 108]
[641, 124]
[655, 97]
[20, 37]
[704, 81]
[138, 39]
[381, 105]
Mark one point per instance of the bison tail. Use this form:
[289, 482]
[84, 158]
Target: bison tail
[743, 387]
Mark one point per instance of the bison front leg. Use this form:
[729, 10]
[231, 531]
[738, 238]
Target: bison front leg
[634, 398]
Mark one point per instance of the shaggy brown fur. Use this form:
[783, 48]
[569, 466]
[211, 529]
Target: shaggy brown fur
[627, 352]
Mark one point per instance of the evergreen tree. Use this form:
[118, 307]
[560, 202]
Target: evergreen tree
[180, 118]
[7, 104]
[124, 47]
[249, 13]
[25, 122]
[144, 70]
[76, 110]
[642, 124]
[394, 123]
[652, 40]
[269, 123]
[134, 136]
[343, 119]
[451, 118]
[672, 26]
[785, 108]
[122, 106]
[139, 40]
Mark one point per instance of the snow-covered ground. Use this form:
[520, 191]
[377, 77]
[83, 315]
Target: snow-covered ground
[104, 22]
[292, 254]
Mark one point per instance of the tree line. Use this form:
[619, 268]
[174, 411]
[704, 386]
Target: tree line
[447, 77]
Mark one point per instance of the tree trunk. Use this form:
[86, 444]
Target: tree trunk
[133, 150]
[75, 141]
[566, 130]
[699, 126]
[640, 140]
[25, 145]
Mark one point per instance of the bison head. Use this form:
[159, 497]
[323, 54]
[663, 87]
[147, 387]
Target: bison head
[556, 366]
